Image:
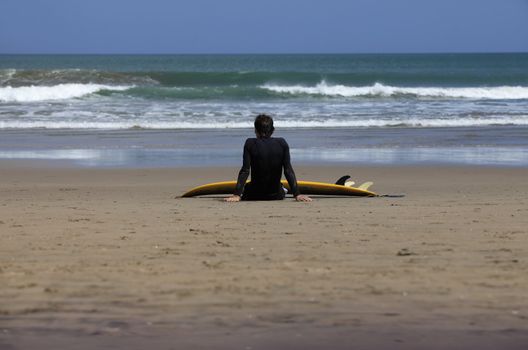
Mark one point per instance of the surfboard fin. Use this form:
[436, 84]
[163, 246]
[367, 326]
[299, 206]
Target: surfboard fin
[341, 181]
[349, 183]
[365, 186]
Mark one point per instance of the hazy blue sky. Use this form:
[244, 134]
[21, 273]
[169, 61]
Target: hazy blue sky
[247, 26]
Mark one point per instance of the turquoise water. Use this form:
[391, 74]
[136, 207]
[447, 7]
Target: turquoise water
[339, 96]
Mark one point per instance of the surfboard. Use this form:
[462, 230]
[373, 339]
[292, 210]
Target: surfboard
[305, 187]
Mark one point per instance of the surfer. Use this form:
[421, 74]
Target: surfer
[265, 157]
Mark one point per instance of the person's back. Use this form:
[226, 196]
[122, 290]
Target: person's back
[265, 157]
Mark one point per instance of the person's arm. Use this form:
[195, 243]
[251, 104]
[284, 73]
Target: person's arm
[288, 170]
[243, 174]
[290, 175]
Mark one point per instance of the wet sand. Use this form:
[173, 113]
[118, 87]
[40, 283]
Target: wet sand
[94, 258]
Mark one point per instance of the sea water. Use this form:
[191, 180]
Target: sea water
[178, 110]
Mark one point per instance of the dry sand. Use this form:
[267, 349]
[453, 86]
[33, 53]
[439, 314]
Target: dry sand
[95, 258]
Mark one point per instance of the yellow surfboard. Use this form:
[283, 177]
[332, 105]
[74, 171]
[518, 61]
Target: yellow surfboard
[305, 187]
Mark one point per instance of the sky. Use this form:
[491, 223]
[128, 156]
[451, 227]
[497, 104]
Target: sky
[266, 26]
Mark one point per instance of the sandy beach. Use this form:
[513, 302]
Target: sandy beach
[95, 258]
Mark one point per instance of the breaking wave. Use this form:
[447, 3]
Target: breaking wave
[19, 78]
[56, 92]
[380, 90]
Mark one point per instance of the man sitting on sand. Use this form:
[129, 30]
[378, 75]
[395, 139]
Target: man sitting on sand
[265, 156]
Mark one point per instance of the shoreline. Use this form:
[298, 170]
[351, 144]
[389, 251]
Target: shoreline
[112, 257]
[486, 157]
[488, 146]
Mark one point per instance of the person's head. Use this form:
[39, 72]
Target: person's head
[264, 126]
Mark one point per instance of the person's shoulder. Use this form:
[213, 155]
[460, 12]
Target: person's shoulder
[281, 140]
[250, 140]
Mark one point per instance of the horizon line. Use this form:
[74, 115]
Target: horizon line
[264, 53]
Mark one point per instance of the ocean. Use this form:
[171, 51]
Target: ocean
[179, 110]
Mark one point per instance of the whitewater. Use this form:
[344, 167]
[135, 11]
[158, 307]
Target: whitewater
[226, 92]
[324, 105]
[51, 93]
[381, 90]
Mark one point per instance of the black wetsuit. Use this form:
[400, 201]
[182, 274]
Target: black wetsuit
[266, 157]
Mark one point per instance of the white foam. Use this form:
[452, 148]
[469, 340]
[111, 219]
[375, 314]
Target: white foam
[409, 122]
[324, 89]
[329, 123]
[51, 154]
[56, 92]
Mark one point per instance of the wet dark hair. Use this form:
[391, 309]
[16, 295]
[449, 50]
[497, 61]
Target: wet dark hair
[264, 125]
